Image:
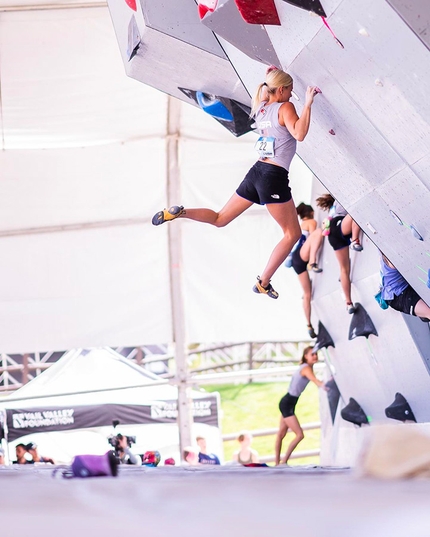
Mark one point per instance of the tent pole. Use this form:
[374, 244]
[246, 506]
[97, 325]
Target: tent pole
[175, 270]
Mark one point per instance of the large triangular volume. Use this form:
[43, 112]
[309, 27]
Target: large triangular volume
[324, 339]
[309, 5]
[400, 409]
[354, 413]
[333, 396]
[361, 323]
[236, 115]
[258, 11]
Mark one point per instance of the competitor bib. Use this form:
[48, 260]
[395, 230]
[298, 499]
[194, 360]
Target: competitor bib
[265, 146]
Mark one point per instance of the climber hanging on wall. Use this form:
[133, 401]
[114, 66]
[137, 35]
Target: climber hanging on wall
[396, 293]
[267, 181]
[303, 258]
[342, 232]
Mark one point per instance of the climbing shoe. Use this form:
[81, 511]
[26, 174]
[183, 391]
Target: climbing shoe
[312, 332]
[313, 267]
[356, 246]
[350, 308]
[268, 290]
[167, 214]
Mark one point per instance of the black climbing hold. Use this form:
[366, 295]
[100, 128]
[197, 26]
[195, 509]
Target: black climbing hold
[333, 396]
[309, 5]
[354, 413]
[324, 339]
[134, 40]
[400, 409]
[361, 323]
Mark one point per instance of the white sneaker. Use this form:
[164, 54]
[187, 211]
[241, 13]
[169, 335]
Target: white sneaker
[350, 308]
[356, 246]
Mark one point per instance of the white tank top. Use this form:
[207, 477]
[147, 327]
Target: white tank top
[267, 123]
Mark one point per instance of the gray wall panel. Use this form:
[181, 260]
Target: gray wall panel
[181, 21]
[357, 157]
[298, 29]
[422, 169]
[416, 14]
[384, 73]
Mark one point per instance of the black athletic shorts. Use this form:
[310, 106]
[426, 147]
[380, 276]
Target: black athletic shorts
[287, 405]
[265, 183]
[406, 301]
[336, 238]
[298, 264]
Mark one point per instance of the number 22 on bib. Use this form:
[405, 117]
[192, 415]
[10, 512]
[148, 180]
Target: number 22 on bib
[265, 146]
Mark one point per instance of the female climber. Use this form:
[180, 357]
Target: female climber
[342, 232]
[288, 403]
[398, 294]
[304, 257]
[266, 183]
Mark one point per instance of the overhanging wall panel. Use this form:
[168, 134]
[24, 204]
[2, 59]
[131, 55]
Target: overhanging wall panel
[180, 20]
[297, 30]
[385, 73]
[416, 15]
[409, 199]
[356, 157]
[373, 371]
[422, 170]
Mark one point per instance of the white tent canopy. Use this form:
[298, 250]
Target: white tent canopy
[69, 409]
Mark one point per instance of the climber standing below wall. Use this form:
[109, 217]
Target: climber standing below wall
[303, 258]
[287, 404]
[342, 232]
[398, 294]
[267, 181]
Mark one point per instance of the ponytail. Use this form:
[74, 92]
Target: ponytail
[325, 202]
[275, 78]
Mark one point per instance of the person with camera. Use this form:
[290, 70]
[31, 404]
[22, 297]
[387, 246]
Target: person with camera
[123, 451]
[32, 449]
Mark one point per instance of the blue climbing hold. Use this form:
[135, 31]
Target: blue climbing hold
[213, 106]
[428, 279]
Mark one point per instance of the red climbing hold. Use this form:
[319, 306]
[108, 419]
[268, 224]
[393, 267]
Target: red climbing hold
[205, 6]
[258, 11]
[131, 4]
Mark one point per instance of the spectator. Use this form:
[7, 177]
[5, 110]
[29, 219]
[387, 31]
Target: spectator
[245, 455]
[2, 461]
[21, 452]
[32, 449]
[123, 451]
[191, 456]
[204, 456]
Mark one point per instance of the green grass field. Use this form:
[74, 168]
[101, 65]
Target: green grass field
[255, 406]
